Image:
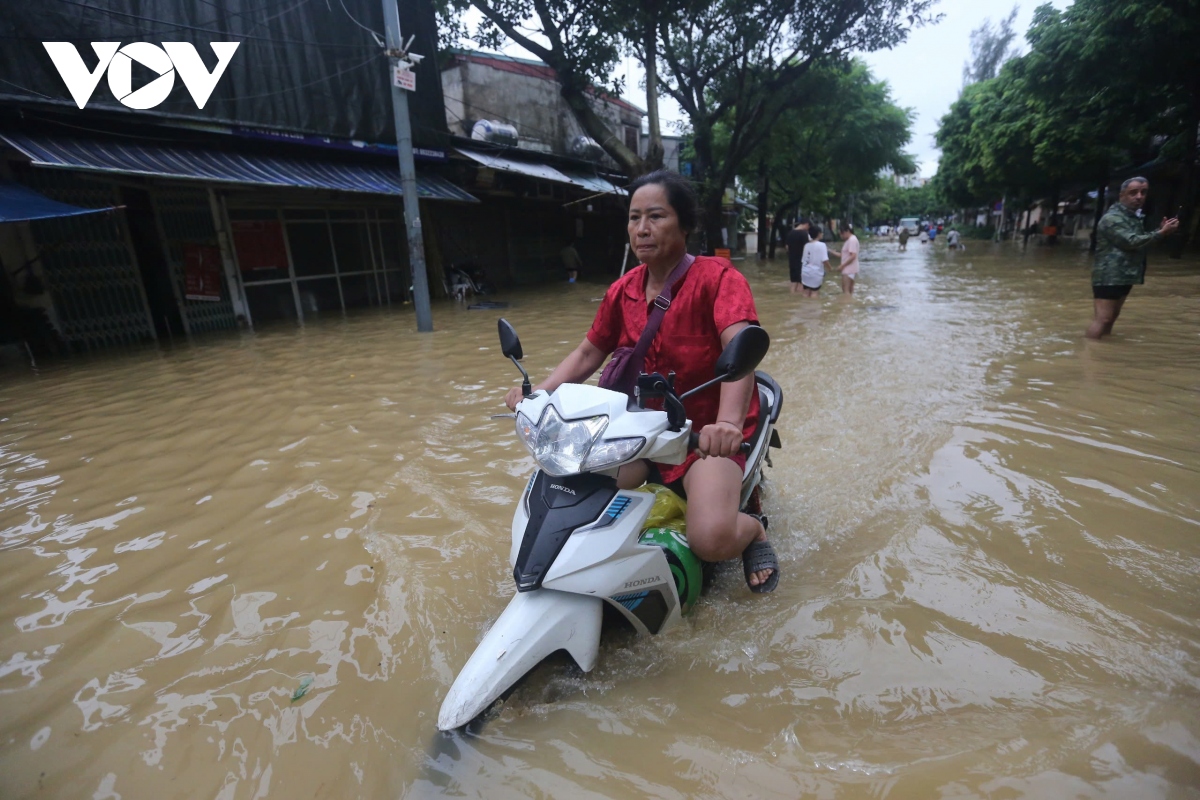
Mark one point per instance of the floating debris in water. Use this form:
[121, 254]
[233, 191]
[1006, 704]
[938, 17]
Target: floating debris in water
[302, 689]
[883, 308]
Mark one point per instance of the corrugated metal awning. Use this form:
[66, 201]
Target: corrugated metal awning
[20, 203]
[593, 183]
[185, 162]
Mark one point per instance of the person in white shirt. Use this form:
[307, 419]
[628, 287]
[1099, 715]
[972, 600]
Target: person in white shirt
[849, 257]
[952, 239]
[814, 263]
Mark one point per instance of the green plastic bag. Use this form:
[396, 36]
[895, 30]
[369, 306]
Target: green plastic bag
[667, 528]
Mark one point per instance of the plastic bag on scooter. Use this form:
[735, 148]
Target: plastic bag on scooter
[669, 509]
[666, 527]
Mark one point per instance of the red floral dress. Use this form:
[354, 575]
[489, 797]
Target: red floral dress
[712, 296]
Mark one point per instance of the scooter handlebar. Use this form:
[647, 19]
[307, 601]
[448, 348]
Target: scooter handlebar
[694, 442]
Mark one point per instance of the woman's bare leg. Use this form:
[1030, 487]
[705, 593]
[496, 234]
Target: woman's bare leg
[715, 529]
[633, 475]
[848, 284]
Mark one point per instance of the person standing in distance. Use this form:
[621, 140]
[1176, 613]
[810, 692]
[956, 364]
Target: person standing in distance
[816, 262]
[849, 256]
[1121, 243]
[796, 239]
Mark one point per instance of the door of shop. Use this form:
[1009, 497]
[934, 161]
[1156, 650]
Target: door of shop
[299, 263]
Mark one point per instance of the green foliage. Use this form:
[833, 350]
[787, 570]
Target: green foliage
[829, 150]
[1102, 82]
[735, 67]
[888, 202]
[978, 232]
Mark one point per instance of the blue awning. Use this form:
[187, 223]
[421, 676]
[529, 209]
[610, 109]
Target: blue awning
[186, 162]
[20, 203]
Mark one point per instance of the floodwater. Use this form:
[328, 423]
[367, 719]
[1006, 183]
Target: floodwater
[989, 530]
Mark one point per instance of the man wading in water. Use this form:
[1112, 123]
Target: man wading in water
[1121, 242]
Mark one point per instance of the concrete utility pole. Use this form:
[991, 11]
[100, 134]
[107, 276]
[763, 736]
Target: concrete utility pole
[408, 172]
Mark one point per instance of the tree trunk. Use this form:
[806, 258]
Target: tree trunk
[711, 192]
[1101, 194]
[714, 219]
[782, 223]
[764, 193]
[576, 98]
[654, 150]
[1187, 228]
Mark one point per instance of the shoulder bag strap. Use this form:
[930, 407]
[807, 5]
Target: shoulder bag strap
[661, 304]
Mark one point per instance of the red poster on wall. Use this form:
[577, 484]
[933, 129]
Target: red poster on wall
[201, 272]
[260, 246]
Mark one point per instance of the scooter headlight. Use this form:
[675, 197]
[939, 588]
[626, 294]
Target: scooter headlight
[560, 446]
[612, 451]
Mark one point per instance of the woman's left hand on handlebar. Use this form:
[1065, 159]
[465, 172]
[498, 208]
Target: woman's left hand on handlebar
[721, 439]
[512, 397]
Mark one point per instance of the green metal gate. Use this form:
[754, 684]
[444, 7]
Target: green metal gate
[88, 267]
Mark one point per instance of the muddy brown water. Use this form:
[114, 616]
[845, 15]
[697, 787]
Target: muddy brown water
[989, 530]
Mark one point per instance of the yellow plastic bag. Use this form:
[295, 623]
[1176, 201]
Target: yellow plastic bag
[668, 511]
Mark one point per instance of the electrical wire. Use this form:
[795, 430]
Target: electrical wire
[322, 79]
[180, 26]
[26, 89]
[378, 37]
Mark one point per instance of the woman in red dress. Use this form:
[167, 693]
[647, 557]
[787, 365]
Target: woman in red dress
[710, 304]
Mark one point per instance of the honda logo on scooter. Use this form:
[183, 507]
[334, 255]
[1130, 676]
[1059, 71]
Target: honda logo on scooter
[562, 488]
[117, 61]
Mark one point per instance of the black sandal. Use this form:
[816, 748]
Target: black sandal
[759, 556]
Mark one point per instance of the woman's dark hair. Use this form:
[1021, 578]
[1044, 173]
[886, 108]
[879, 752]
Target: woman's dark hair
[846, 227]
[680, 195]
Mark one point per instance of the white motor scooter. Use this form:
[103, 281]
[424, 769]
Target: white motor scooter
[575, 536]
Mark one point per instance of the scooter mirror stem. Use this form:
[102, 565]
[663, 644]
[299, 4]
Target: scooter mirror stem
[703, 386]
[526, 388]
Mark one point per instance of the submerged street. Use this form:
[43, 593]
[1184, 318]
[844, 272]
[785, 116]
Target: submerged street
[253, 566]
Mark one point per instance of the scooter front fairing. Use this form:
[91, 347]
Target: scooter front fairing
[578, 550]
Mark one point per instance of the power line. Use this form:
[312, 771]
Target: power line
[378, 38]
[322, 79]
[181, 26]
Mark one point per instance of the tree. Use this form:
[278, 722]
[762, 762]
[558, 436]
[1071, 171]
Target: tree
[1129, 72]
[830, 149]
[1084, 101]
[990, 48]
[741, 64]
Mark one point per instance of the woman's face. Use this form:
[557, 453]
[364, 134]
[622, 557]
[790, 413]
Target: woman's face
[654, 232]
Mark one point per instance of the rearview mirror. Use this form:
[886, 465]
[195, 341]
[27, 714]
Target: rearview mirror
[510, 345]
[742, 354]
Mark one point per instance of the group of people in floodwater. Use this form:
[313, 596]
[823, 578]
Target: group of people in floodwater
[808, 258]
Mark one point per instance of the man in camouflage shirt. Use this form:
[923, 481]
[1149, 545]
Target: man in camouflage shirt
[1121, 243]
